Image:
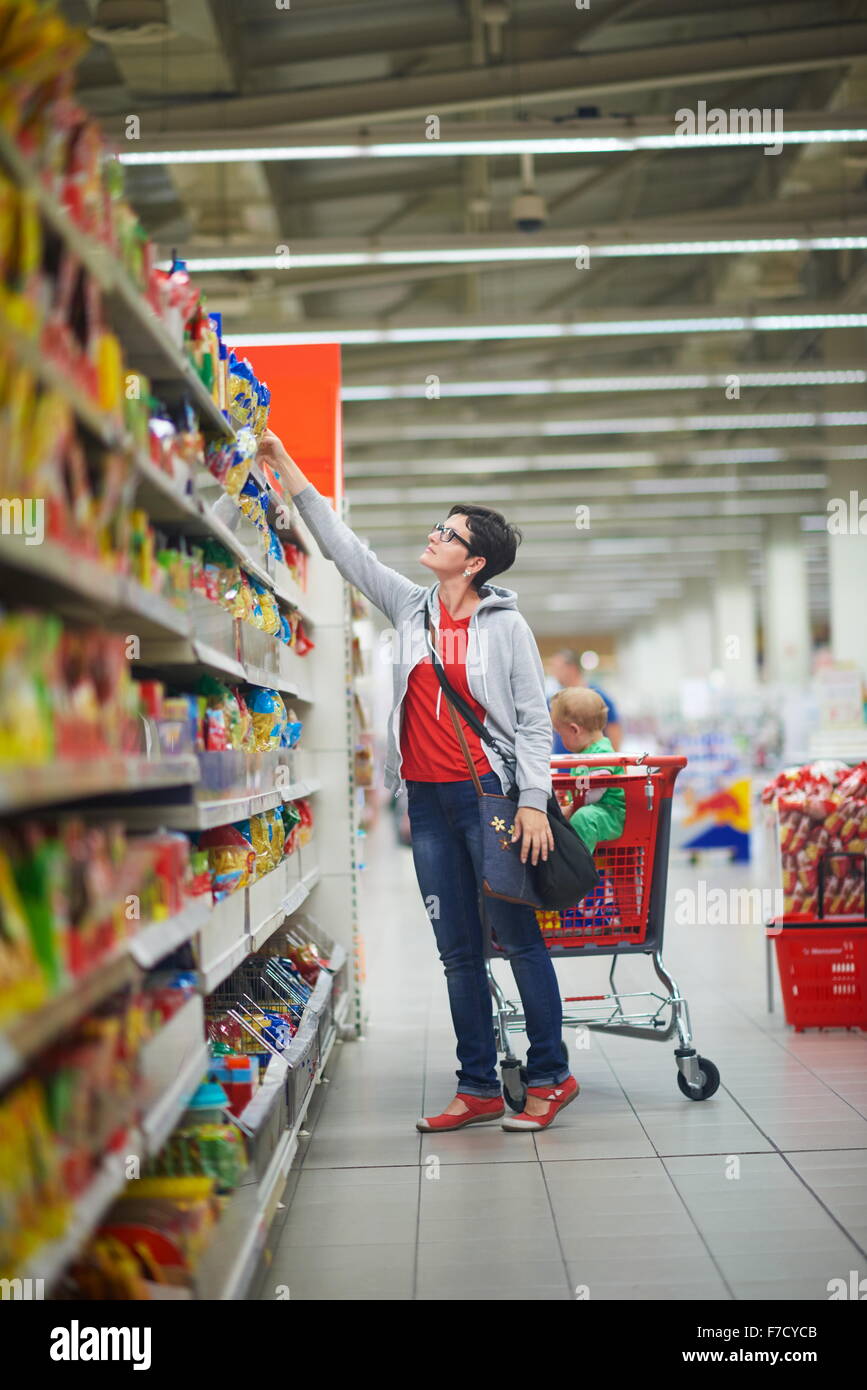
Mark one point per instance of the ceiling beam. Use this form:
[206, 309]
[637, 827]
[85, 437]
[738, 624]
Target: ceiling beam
[593, 381]
[575, 76]
[748, 453]
[851, 220]
[627, 323]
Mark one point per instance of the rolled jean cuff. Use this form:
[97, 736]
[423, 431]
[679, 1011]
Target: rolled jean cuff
[549, 1080]
[492, 1093]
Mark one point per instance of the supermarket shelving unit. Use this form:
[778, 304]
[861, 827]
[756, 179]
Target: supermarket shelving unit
[320, 877]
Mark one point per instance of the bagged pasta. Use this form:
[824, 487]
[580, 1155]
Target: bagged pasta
[231, 857]
[269, 718]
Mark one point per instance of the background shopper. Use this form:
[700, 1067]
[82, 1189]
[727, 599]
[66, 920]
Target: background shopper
[565, 666]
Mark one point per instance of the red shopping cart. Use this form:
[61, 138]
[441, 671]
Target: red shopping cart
[625, 914]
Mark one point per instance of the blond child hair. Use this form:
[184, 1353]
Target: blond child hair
[578, 704]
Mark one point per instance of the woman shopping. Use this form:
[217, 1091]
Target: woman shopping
[490, 657]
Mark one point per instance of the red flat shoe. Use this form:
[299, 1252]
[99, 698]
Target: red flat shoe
[479, 1112]
[557, 1096]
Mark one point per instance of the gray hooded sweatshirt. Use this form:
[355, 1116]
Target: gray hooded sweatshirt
[504, 670]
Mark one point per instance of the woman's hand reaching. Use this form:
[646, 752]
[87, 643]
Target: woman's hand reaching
[273, 452]
[534, 832]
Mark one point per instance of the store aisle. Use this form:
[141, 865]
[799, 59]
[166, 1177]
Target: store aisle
[636, 1193]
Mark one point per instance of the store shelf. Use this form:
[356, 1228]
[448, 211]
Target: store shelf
[337, 1023]
[162, 1117]
[83, 588]
[181, 656]
[164, 501]
[273, 680]
[49, 1262]
[109, 774]
[192, 513]
[290, 592]
[186, 793]
[252, 783]
[28, 352]
[147, 343]
[223, 941]
[77, 576]
[25, 1038]
[219, 527]
[294, 790]
[293, 900]
[151, 611]
[157, 940]
[149, 348]
[193, 654]
[206, 815]
[228, 1265]
[301, 890]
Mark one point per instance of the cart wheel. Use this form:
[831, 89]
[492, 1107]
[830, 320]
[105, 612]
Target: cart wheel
[709, 1081]
[514, 1084]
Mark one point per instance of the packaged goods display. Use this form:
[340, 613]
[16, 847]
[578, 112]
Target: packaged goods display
[72, 892]
[213, 1151]
[149, 630]
[66, 692]
[218, 576]
[257, 1011]
[820, 814]
[58, 1124]
[305, 830]
[240, 854]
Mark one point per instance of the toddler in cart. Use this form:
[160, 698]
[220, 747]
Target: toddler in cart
[579, 716]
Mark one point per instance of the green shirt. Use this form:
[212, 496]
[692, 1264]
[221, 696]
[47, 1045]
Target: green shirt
[605, 818]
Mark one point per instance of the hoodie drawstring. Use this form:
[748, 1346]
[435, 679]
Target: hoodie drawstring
[479, 648]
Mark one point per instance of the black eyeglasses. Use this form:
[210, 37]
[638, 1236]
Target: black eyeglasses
[448, 533]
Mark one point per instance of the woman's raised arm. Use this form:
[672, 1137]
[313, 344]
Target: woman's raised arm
[387, 590]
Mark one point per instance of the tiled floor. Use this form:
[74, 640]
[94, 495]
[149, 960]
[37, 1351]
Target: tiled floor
[636, 1193]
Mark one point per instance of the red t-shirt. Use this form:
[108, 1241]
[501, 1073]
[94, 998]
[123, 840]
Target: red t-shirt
[428, 743]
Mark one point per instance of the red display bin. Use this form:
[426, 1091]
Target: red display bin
[823, 974]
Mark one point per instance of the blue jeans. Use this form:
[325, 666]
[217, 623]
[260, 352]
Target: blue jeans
[447, 850]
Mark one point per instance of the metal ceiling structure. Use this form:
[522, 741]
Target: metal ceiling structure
[728, 262]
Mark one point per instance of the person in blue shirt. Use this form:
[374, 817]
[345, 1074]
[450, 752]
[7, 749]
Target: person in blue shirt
[565, 667]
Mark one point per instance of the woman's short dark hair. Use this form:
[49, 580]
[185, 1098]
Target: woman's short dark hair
[493, 537]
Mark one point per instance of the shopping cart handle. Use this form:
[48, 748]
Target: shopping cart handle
[563, 761]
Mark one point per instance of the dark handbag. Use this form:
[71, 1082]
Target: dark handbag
[559, 881]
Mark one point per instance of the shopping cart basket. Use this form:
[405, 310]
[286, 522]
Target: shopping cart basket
[624, 914]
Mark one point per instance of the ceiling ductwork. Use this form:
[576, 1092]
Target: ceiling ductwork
[130, 23]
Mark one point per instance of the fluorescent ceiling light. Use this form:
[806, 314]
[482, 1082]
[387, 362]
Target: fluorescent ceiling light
[730, 482]
[630, 458]
[624, 488]
[607, 328]
[486, 255]
[672, 381]
[556, 521]
[451, 149]
[626, 424]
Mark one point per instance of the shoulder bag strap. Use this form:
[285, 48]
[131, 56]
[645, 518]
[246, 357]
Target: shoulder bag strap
[453, 699]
